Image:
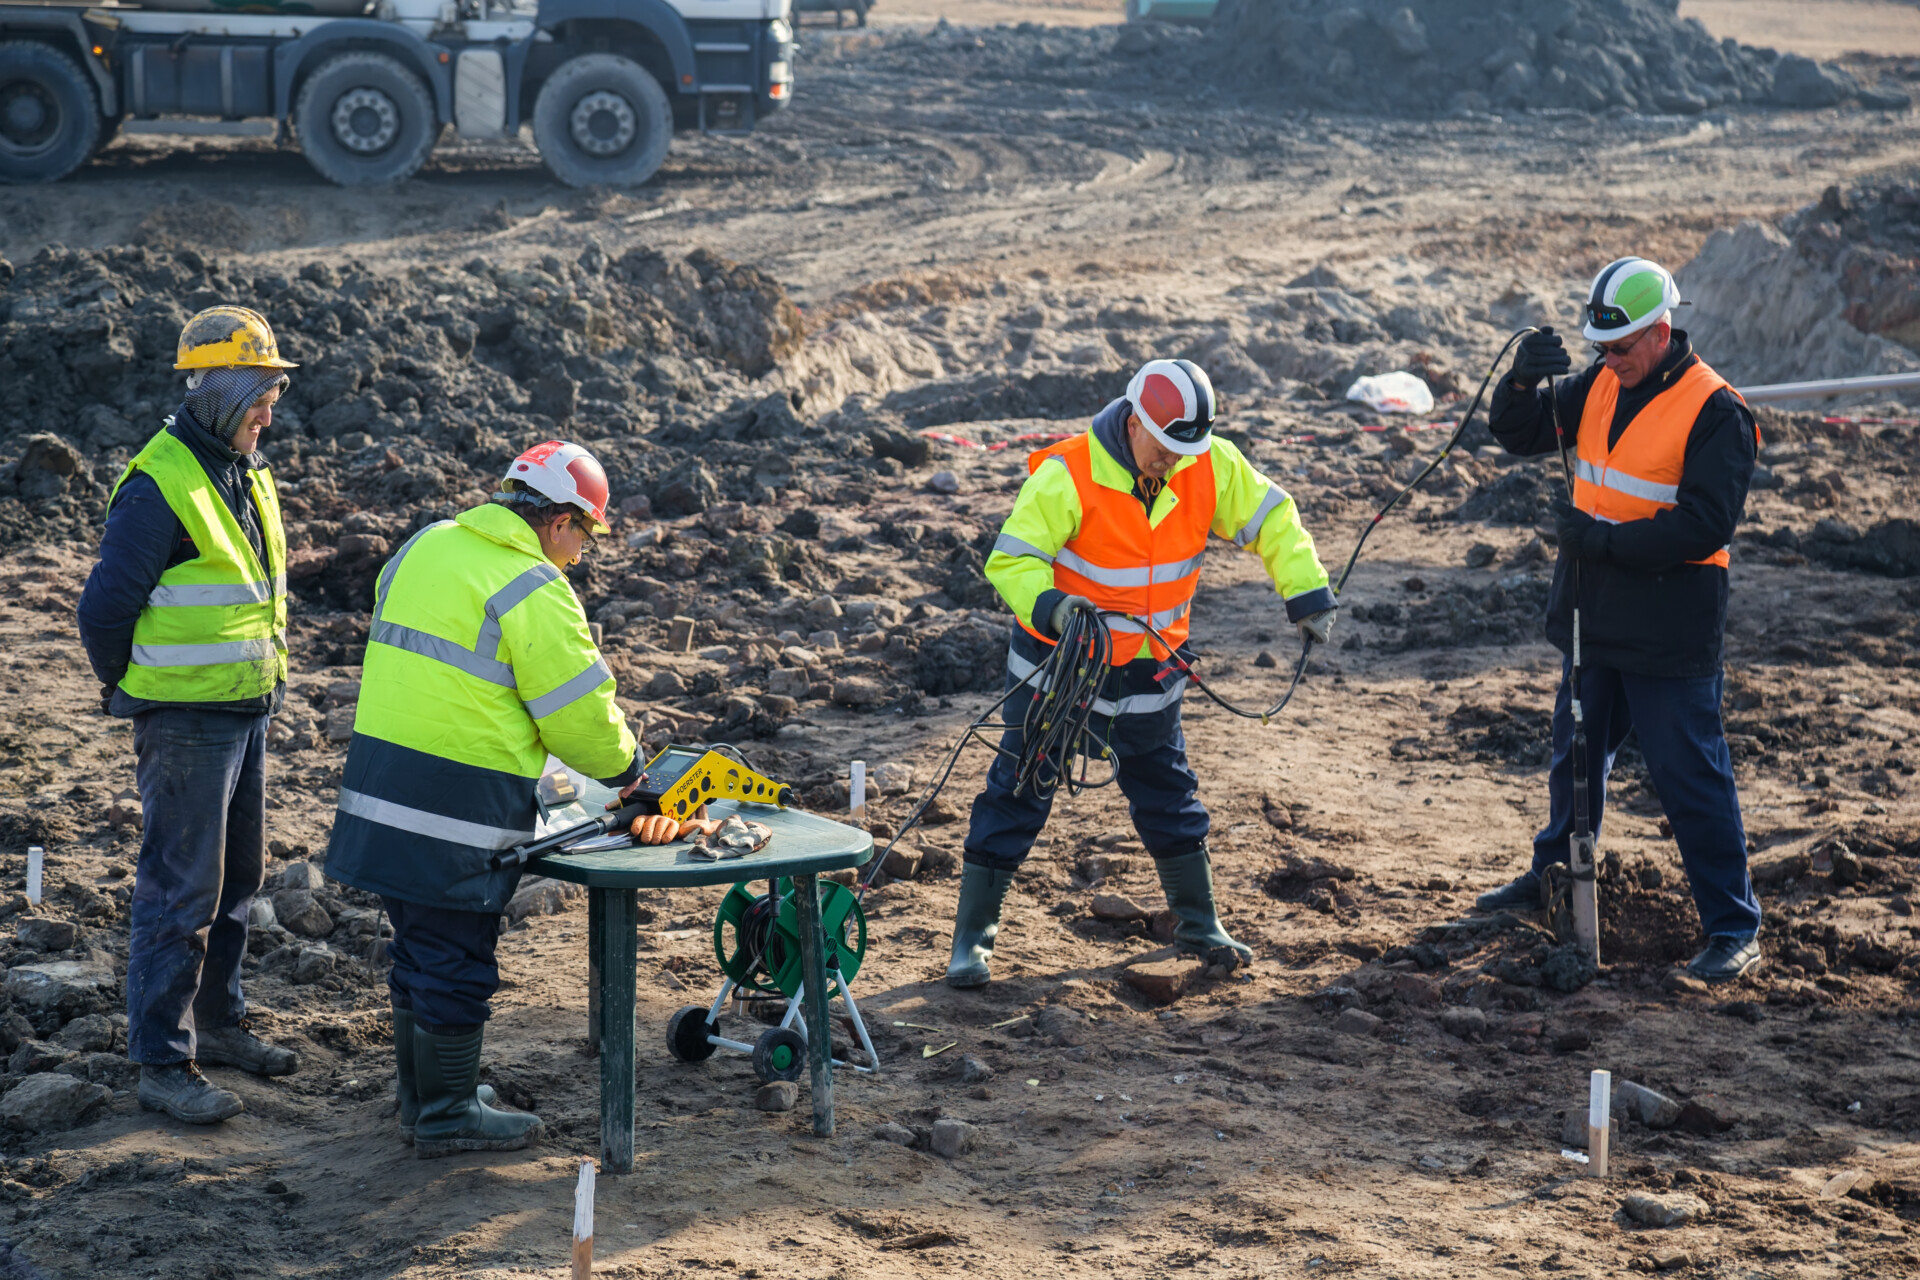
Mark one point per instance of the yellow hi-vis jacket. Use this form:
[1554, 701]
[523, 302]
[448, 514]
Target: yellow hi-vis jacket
[1050, 519]
[479, 663]
[214, 628]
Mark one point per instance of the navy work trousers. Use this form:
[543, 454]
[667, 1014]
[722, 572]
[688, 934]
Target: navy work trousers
[443, 964]
[1685, 745]
[1160, 786]
[202, 777]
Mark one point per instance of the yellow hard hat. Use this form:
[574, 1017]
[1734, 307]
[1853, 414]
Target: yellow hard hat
[221, 337]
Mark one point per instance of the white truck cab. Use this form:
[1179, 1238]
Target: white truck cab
[367, 86]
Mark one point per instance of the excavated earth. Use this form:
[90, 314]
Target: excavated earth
[975, 232]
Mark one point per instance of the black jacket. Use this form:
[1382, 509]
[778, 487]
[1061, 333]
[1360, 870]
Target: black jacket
[143, 539]
[1644, 608]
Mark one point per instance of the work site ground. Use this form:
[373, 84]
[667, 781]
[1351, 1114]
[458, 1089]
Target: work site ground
[979, 232]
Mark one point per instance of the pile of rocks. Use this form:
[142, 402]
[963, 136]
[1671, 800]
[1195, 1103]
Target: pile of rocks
[1829, 293]
[1584, 55]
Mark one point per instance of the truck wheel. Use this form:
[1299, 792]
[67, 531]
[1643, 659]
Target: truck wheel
[49, 116]
[363, 119]
[602, 119]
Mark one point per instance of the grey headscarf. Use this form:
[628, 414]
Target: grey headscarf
[219, 399]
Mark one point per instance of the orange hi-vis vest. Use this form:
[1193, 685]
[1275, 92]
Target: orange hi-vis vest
[1123, 562]
[1639, 477]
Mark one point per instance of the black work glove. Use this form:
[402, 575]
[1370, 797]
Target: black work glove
[1541, 355]
[1581, 536]
[106, 699]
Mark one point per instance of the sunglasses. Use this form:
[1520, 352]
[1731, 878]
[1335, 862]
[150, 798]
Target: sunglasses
[1619, 350]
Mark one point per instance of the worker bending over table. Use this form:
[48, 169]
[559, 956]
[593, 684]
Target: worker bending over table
[479, 664]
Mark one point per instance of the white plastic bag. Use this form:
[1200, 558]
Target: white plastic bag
[1396, 392]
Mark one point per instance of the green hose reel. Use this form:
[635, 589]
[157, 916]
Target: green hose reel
[756, 937]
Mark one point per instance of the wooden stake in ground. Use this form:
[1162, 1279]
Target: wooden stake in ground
[857, 793]
[1599, 1121]
[583, 1223]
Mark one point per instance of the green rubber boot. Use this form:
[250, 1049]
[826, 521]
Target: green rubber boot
[976, 923]
[1188, 881]
[404, 1087]
[452, 1117]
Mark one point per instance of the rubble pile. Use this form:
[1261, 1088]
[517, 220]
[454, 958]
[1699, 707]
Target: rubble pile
[739, 517]
[1829, 293]
[1582, 55]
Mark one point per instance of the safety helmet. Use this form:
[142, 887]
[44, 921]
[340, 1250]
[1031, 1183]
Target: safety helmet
[1174, 400]
[222, 337]
[563, 473]
[1629, 294]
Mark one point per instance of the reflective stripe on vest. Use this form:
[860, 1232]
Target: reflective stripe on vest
[1138, 704]
[1639, 476]
[1122, 561]
[213, 629]
[436, 826]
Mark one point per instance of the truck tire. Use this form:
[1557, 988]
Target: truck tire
[49, 114]
[364, 120]
[602, 120]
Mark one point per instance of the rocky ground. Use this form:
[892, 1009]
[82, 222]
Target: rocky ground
[974, 232]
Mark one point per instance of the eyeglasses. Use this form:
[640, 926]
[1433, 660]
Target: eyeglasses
[584, 524]
[1619, 350]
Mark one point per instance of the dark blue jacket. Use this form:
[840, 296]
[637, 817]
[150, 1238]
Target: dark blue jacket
[143, 539]
[1644, 608]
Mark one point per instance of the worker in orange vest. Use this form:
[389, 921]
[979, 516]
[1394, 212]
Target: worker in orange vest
[1665, 453]
[1116, 520]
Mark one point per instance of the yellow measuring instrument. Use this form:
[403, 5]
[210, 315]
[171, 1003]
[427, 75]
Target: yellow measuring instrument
[681, 779]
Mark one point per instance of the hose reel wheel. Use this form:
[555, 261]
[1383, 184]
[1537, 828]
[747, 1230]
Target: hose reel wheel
[779, 1054]
[687, 1033]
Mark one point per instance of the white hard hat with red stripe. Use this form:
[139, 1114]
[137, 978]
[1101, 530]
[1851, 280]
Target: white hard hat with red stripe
[1174, 401]
[567, 474]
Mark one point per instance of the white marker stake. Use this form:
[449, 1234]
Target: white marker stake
[583, 1223]
[1599, 1121]
[36, 866]
[857, 791]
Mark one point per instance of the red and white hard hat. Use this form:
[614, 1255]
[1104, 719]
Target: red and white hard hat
[1174, 400]
[565, 473]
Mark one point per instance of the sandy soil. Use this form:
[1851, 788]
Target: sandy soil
[934, 222]
[1822, 29]
[1058, 13]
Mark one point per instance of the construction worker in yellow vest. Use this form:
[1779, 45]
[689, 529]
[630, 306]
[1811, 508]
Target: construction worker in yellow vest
[479, 665]
[184, 620]
[1665, 451]
[1117, 520]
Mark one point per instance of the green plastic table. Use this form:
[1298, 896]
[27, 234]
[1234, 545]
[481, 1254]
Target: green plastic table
[803, 846]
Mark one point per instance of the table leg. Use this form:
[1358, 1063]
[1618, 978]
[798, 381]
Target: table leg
[596, 933]
[813, 971]
[616, 986]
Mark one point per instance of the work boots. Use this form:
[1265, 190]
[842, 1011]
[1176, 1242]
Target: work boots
[182, 1092]
[404, 1087]
[237, 1046]
[446, 1073]
[976, 923]
[1188, 881]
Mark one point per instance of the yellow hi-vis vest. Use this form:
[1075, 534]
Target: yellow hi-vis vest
[214, 628]
[479, 663]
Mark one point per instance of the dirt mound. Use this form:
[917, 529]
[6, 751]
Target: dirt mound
[460, 366]
[1584, 55]
[1830, 293]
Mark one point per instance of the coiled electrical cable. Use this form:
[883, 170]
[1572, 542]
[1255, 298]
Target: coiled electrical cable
[1058, 745]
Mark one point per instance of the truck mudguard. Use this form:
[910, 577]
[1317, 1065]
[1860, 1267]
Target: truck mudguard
[657, 16]
[22, 18]
[421, 55]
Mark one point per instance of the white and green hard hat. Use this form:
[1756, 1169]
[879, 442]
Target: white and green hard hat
[1629, 294]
